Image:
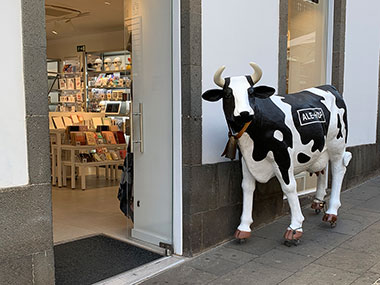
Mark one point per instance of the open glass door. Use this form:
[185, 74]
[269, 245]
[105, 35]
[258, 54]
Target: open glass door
[148, 38]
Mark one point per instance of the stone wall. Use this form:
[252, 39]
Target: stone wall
[26, 247]
[212, 195]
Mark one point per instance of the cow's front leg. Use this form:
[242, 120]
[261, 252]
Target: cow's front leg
[294, 232]
[248, 185]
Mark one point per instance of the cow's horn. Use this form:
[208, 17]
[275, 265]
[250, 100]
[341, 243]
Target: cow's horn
[258, 72]
[218, 76]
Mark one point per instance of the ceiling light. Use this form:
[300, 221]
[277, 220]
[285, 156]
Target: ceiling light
[107, 3]
[54, 32]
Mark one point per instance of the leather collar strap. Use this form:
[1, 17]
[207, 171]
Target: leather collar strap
[242, 131]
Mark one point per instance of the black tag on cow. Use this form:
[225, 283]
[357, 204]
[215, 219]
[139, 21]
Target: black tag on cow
[311, 116]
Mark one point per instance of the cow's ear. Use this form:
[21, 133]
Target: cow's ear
[213, 95]
[263, 91]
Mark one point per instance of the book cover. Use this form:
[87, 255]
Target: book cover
[70, 83]
[67, 121]
[78, 82]
[120, 137]
[75, 119]
[78, 138]
[115, 155]
[107, 121]
[62, 84]
[123, 153]
[110, 138]
[97, 121]
[58, 122]
[90, 138]
[108, 156]
[99, 138]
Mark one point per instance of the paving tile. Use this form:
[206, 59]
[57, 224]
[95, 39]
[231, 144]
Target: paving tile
[363, 192]
[348, 259]
[284, 260]
[353, 221]
[213, 264]
[327, 238]
[254, 245]
[183, 275]
[307, 247]
[230, 254]
[366, 241]
[348, 203]
[368, 278]
[375, 268]
[371, 204]
[273, 231]
[253, 273]
[317, 274]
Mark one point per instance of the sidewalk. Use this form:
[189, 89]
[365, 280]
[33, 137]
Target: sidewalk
[346, 254]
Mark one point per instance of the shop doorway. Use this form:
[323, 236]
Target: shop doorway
[110, 67]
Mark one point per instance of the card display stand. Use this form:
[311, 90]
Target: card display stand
[65, 156]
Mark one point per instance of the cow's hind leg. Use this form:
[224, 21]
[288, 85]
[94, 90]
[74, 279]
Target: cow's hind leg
[248, 185]
[294, 232]
[319, 202]
[338, 169]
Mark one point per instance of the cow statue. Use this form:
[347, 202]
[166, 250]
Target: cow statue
[283, 135]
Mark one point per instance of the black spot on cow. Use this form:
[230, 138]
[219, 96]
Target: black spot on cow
[267, 119]
[339, 135]
[339, 103]
[303, 158]
[316, 116]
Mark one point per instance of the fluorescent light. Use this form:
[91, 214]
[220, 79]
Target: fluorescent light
[54, 32]
[107, 3]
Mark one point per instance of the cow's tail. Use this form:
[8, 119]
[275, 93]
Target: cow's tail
[346, 158]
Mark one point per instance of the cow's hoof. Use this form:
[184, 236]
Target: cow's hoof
[318, 205]
[330, 218]
[242, 240]
[292, 236]
[242, 236]
[294, 242]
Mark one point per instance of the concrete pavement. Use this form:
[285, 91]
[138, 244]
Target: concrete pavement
[346, 254]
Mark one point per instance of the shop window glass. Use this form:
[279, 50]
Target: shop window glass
[307, 56]
[307, 44]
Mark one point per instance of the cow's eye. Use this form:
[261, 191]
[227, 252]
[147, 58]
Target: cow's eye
[250, 91]
[228, 93]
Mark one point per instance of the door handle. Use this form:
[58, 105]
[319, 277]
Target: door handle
[140, 114]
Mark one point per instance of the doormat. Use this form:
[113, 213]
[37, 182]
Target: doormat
[96, 258]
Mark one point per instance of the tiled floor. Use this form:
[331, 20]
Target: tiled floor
[346, 254]
[78, 213]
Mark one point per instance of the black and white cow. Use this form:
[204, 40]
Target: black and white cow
[287, 134]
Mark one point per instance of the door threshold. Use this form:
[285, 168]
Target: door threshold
[144, 272]
[139, 243]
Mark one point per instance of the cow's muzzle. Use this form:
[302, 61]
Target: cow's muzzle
[245, 117]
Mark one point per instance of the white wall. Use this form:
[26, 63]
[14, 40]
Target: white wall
[13, 151]
[233, 34]
[361, 76]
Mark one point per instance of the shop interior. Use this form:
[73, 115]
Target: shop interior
[89, 64]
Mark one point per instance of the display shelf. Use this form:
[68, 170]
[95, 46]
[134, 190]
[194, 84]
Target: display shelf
[122, 72]
[69, 90]
[90, 147]
[58, 149]
[110, 88]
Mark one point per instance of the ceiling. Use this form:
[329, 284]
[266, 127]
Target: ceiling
[82, 17]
